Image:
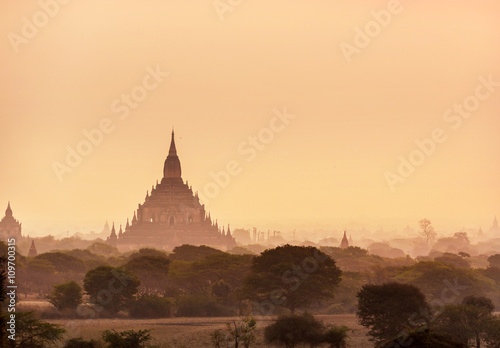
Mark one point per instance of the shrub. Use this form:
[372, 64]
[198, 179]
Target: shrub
[32, 332]
[291, 330]
[66, 295]
[242, 332]
[126, 339]
[218, 339]
[151, 306]
[98, 282]
[336, 336]
[424, 339]
[80, 343]
[198, 306]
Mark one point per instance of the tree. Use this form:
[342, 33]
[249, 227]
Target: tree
[188, 252]
[453, 260]
[291, 276]
[103, 249]
[148, 252]
[461, 237]
[66, 295]
[391, 309]
[151, 306]
[467, 321]
[424, 338]
[492, 333]
[126, 339]
[336, 336]
[90, 259]
[427, 230]
[37, 275]
[494, 260]
[32, 332]
[63, 262]
[221, 291]
[219, 275]
[151, 270]
[432, 278]
[110, 287]
[241, 332]
[291, 330]
[218, 339]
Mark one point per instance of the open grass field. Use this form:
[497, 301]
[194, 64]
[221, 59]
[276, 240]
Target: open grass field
[195, 332]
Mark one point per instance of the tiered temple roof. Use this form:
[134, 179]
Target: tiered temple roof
[171, 215]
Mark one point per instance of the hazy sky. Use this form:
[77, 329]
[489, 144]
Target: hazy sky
[362, 94]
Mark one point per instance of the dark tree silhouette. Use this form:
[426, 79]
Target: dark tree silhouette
[112, 288]
[292, 276]
[391, 309]
[494, 260]
[467, 321]
[291, 330]
[424, 339]
[66, 295]
[152, 271]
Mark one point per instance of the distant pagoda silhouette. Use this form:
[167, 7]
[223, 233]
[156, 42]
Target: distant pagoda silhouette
[344, 244]
[495, 230]
[171, 216]
[32, 252]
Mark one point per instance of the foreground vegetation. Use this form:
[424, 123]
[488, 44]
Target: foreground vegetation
[440, 294]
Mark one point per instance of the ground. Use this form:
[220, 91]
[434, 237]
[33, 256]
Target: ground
[195, 332]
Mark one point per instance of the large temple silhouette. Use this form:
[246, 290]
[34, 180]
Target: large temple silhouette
[9, 226]
[171, 216]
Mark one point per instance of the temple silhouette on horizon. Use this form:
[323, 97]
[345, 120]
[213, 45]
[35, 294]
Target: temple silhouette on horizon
[9, 226]
[170, 216]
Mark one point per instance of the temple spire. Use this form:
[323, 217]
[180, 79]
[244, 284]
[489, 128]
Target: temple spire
[8, 212]
[173, 150]
[32, 252]
[344, 243]
[172, 167]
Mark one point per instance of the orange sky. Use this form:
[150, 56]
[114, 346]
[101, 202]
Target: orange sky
[353, 120]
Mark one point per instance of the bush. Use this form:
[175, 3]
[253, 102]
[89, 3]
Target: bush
[290, 330]
[242, 332]
[98, 281]
[151, 306]
[126, 339]
[66, 295]
[198, 306]
[80, 343]
[218, 339]
[424, 339]
[32, 332]
[336, 336]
